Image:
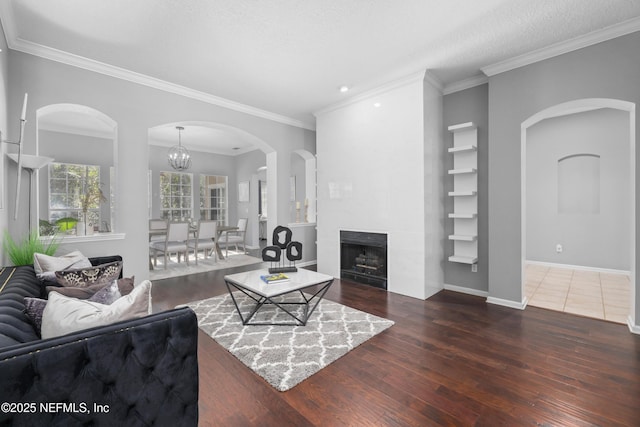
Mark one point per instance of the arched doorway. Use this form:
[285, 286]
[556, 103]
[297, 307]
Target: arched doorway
[572, 108]
[208, 139]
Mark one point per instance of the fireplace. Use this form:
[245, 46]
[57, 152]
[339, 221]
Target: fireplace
[363, 258]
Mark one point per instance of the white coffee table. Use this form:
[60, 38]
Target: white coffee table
[250, 284]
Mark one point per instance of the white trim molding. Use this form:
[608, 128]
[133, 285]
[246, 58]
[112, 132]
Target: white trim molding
[468, 291]
[508, 303]
[560, 48]
[16, 43]
[577, 267]
[635, 329]
[465, 84]
[420, 76]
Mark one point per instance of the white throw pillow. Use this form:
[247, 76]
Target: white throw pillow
[45, 266]
[63, 315]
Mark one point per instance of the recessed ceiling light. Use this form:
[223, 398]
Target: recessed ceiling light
[344, 89]
[377, 104]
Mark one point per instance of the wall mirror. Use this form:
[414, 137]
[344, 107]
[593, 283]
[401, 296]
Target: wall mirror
[75, 194]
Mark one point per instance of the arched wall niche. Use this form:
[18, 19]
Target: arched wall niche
[80, 135]
[569, 108]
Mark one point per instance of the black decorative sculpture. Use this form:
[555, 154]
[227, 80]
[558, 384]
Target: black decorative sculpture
[281, 242]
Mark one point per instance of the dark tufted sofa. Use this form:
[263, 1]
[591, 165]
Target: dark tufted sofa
[140, 372]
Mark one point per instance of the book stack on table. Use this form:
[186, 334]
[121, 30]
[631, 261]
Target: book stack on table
[275, 278]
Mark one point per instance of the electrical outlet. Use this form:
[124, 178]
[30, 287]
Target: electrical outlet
[474, 268]
[559, 248]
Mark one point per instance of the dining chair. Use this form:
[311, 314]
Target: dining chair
[175, 241]
[205, 238]
[157, 229]
[235, 237]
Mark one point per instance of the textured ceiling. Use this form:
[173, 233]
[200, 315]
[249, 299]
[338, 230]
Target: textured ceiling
[290, 56]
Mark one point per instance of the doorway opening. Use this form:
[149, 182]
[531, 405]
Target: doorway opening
[578, 209]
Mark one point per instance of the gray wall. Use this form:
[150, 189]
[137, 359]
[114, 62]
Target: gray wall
[607, 70]
[135, 108]
[460, 107]
[591, 234]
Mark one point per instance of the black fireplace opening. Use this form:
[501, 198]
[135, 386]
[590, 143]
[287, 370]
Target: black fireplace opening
[363, 258]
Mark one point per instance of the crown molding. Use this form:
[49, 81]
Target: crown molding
[465, 84]
[433, 81]
[6, 12]
[420, 76]
[76, 131]
[556, 49]
[16, 43]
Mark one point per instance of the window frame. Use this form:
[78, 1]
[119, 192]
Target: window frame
[206, 210]
[69, 210]
[185, 209]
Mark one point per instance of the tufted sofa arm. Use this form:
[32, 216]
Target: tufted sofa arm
[139, 372]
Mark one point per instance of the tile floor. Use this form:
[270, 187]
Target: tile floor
[586, 293]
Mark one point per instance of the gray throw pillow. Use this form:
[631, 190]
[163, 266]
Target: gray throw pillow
[80, 292]
[122, 287]
[46, 266]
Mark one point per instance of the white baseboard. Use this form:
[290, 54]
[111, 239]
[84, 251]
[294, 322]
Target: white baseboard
[468, 291]
[635, 329]
[306, 263]
[578, 267]
[508, 303]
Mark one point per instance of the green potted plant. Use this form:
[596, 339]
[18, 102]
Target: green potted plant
[21, 252]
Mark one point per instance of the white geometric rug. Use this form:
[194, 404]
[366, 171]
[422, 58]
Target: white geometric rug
[176, 269]
[286, 355]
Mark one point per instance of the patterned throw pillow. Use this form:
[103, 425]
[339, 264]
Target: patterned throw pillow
[83, 277]
[33, 309]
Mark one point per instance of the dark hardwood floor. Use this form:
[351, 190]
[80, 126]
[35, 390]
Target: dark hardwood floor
[450, 360]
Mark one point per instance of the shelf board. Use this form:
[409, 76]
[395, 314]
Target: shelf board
[455, 215]
[463, 238]
[461, 171]
[462, 149]
[461, 127]
[462, 193]
[463, 259]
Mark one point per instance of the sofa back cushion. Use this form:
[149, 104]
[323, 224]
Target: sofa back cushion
[16, 283]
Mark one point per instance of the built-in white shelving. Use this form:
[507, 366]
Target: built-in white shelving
[462, 193]
[465, 193]
[454, 215]
[463, 149]
[459, 171]
[463, 259]
[463, 238]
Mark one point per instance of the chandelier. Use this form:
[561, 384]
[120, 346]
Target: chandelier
[179, 157]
